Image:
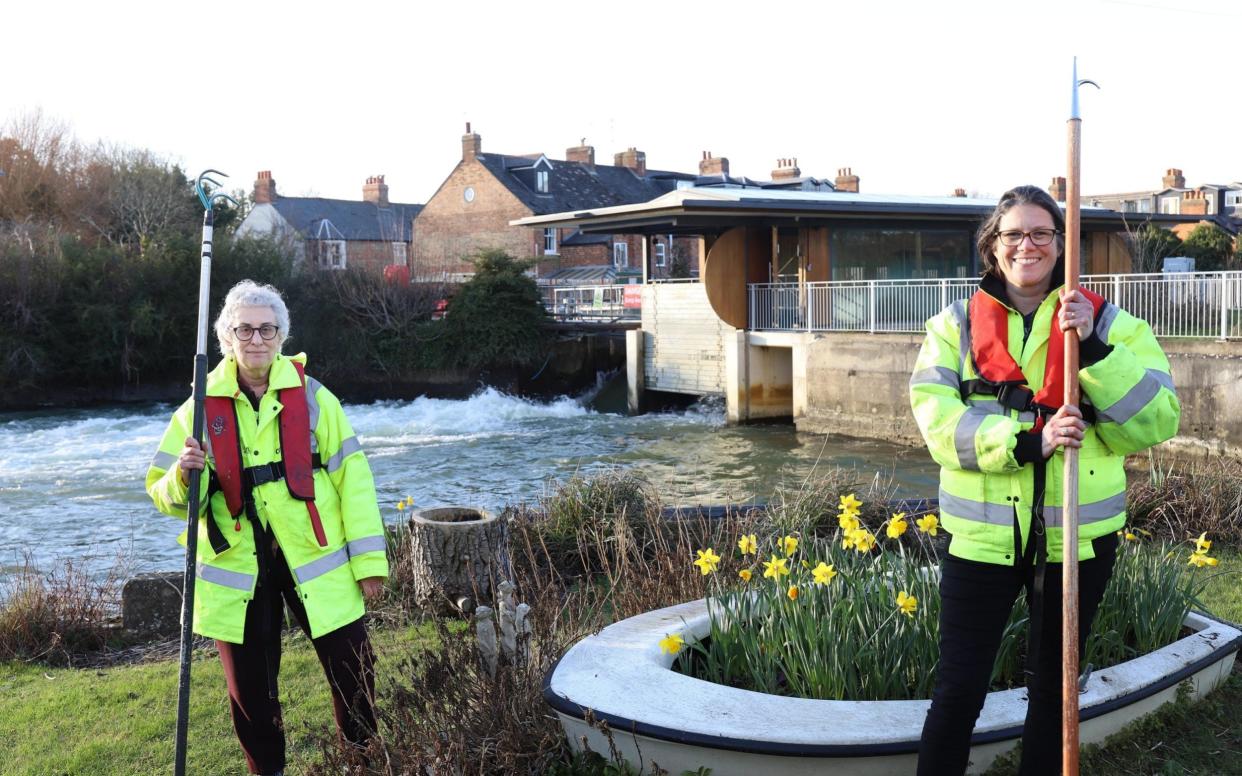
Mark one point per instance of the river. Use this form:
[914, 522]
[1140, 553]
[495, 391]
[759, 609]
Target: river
[71, 481]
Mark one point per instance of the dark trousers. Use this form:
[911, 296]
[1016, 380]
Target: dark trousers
[345, 655]
[975, 601]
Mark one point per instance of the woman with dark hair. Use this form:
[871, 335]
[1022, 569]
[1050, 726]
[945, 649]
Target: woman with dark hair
[987, 395]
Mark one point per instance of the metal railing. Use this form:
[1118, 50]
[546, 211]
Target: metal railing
[590, 303]
[1183, 304]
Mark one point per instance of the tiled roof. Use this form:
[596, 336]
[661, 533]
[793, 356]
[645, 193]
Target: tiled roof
[574, 186]
[589, 274]
[344, 219]
[578, 238]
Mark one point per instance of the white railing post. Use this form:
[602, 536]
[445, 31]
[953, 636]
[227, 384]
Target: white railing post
[871, 304]
[944, 294]
[810, 308]
[1224, 306]
[1117, 290]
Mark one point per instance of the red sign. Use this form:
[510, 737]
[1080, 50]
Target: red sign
[632, 296]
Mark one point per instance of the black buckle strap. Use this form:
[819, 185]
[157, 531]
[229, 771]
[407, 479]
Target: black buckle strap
[1015, 396]
[254, 476]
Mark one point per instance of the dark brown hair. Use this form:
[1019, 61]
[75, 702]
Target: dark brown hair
[985, 239]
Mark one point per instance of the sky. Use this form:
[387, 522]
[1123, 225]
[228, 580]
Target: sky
[915, 97]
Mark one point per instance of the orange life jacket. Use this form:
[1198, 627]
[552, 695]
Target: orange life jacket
[296, 467]
[1000, 375]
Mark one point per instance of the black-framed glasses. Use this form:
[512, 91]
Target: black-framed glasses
[245, 332]
[1014, 237]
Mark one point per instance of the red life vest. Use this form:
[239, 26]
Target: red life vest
[989, 347]
[296, 468]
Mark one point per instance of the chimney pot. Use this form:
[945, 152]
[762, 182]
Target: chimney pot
[846, 180]
[375, 191]
[264, 188]
[471, 144]
[713, 165]
[633, 159]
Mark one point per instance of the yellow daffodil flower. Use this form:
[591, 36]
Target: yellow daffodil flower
[847, 539]
[748, 544]
[928, 524]
[848, 521]
[1131, 537]
[708, 561]
[823, 573]
[775, 568]
[864, 540]
[1200, 559]
[400, 505]
[671, 645]
[897, 525]
[792, 592]
[849, 504]
[790, 545]
[907, 603]
[1202, 544]
[744, 574]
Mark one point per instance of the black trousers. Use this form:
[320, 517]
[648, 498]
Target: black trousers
[345, 655]
[975, 602]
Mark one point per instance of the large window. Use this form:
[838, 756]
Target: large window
[541, 181]
[549, 241]
[661, 253]
[399, 256]
[899, 254]
[332, 254]
[620, 255]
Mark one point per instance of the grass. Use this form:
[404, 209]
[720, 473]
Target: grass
[121, 721]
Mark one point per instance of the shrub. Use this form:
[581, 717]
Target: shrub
[56, 617]
[1210, 246]
[1182, 500]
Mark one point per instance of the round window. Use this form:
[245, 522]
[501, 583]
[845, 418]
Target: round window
[468, 194]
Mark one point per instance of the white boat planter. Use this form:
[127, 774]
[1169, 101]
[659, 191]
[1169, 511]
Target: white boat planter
[664, 717]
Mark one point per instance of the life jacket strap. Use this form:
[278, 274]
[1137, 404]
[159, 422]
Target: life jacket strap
[254, 476]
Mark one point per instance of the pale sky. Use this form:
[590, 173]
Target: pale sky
[915, 97]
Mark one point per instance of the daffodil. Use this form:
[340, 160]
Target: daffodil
[848, 521]
[790, 545]
[1202, 544]
[864, 540]
[748, 544]
[792, 592]
[849, 504]
[1200, 559]
[907, 603]
[775, 568]
[1131, 537]
[744, 574]
[847, 539]
[823, 573]
[671, 645]
[928, 524]
[708, 561]
[400, 505]
[897, 525]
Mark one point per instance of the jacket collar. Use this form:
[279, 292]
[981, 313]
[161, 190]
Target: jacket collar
[222, 381]
[994, 286]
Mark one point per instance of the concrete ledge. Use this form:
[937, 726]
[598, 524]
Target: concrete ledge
[683, 723]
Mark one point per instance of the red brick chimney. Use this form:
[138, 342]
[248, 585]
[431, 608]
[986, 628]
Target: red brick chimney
[264, 188]
[846, 180]
[375, 191]
[471, 144]
[1057, 189]
[786, 169]
[633, 158]
[713, 165]
[582, 154]
[1173, 179]
[959, 192]
[1194, 203]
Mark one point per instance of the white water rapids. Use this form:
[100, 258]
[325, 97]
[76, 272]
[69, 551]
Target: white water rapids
[71, 481]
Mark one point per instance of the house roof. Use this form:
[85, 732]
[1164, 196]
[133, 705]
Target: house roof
[578, 238]
[574, 185]
[344, 219]
[698, 210]
[568, 276]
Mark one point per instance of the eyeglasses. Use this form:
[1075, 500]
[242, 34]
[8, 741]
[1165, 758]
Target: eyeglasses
[245, 332]
[1014, 237]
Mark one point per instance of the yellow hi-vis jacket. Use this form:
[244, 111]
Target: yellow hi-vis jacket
[326, 577]
[984, 489]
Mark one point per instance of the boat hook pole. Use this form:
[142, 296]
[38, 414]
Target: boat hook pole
[195, 475]
[1069, 493]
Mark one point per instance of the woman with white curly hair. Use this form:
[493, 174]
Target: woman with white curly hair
[290, 517]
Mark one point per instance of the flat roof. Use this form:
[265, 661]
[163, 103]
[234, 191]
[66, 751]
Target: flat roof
[709, 208]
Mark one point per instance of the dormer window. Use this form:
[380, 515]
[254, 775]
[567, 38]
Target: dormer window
[541, 181]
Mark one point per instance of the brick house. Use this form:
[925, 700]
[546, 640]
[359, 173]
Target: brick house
[335, 233]
[473, 208]
[1218, 203]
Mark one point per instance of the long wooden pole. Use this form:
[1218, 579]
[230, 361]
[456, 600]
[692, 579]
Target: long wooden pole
[1069, 493]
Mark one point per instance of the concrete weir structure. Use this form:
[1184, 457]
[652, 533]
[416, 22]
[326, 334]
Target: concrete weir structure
[782, 320]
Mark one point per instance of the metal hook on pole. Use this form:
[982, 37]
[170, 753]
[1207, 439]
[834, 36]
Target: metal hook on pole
[209, 200]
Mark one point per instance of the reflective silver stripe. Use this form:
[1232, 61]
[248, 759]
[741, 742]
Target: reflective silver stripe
[993, 407]
[1107, 316]
[225, 578]
[312, 401]
[980, 512]
[349, 446]
[1135, 399]
[1088, 513]
[961, 311]
[163, 460]
[936, 375]
[1164, 378]
[320, 566]
[964, 437]
[366, 544]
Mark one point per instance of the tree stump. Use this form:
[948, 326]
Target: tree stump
[457, 555]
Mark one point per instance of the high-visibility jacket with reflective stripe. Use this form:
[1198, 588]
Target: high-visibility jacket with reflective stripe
[983, 488]
[326, 577]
